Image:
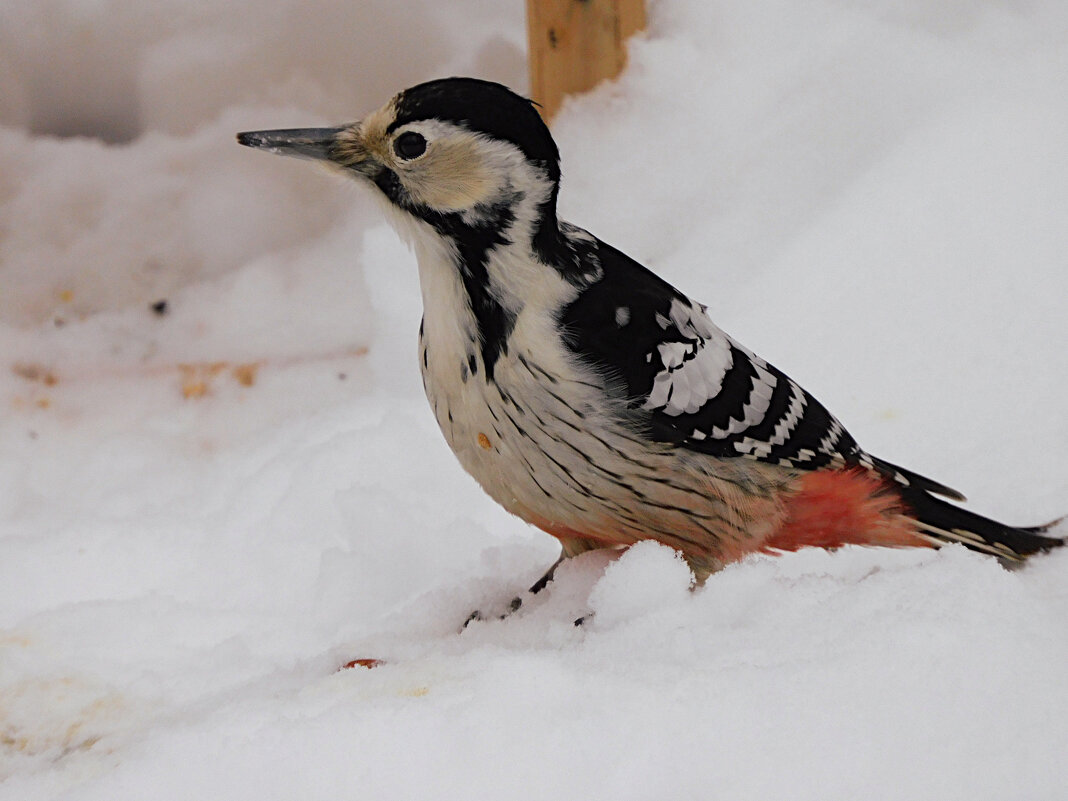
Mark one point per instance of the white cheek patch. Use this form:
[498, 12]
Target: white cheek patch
[460, 171]
[451, 177]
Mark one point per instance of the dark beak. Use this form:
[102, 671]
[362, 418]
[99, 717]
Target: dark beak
[305, 143]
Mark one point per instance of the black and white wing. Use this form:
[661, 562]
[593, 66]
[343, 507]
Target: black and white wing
[691, 384]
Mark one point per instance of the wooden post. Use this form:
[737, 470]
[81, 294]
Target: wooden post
[576, 44]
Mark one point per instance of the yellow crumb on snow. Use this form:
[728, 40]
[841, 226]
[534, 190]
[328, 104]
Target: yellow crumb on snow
[197, 378]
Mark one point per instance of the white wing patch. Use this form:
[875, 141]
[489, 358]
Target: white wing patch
[693, 370]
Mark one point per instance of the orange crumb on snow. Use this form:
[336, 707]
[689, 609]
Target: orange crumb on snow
[197, 378]
[35, 372]
[245, 374]
[363, 663]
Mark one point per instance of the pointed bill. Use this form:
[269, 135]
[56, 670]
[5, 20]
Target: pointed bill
[306, 143]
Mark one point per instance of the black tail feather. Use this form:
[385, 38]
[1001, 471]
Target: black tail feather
[943, 522]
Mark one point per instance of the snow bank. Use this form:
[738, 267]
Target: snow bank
[208, 507]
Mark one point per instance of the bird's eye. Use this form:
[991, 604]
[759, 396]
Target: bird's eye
[409, 145]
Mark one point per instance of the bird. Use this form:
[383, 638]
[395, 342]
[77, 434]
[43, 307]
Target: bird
[586, 394]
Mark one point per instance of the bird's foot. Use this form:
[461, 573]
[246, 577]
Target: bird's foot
[513, 606]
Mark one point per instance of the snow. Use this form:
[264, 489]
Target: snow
[205, 513]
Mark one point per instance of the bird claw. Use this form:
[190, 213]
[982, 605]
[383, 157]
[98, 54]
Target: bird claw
[513, 606]
[471, 618]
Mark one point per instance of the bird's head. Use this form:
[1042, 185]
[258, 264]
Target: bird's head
[460, 154]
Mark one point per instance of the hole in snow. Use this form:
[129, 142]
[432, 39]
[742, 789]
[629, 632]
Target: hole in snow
[75, 86]
[98, 105]
[112, 128]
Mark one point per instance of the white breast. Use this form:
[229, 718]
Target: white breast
[501, 430]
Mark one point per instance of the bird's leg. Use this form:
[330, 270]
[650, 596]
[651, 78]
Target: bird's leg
[543, 582]
[568, 548]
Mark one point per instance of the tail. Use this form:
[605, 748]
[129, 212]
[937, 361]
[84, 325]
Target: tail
[943, 522]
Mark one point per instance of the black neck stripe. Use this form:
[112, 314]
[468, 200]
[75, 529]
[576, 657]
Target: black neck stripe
[473, 245]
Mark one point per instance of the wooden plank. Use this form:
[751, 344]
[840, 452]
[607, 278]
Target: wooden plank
[576, 44]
